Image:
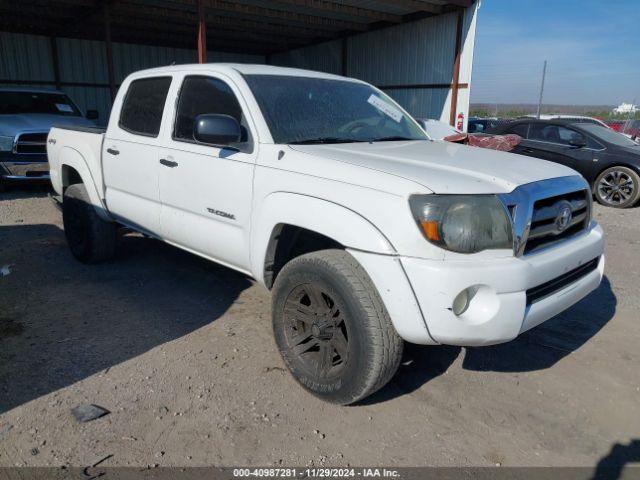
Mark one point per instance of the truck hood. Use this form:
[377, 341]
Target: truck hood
[41, 122]
[443, 167]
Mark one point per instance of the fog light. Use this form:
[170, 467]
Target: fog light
[461, 302]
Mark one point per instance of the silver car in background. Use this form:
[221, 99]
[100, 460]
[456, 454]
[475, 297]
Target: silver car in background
[26, 116]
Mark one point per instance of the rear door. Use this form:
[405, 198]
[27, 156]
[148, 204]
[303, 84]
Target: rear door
[131, 151]
[206, 190]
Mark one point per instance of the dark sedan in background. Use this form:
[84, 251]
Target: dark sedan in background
[608, 160]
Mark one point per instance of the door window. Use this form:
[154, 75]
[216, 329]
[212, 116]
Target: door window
[554, 134]
[143, 106]
[206, 95]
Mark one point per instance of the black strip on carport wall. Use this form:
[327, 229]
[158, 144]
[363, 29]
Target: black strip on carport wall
[53, 43]
[9, 81]
[345, 57]
[420, 86]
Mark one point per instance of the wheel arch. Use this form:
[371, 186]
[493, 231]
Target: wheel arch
[74, 169]
[282, 217]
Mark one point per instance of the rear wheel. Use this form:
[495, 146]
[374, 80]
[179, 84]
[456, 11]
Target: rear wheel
[618, 187]
[90, 238]
[332, 329]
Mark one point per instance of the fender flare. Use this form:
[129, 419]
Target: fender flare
[319, 215]
[71, 157]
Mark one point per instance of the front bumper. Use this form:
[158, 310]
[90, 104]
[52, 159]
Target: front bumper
[513, 294]
[500, 309]
[24, 167]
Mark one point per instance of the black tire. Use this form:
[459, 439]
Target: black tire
[617, 187]
[348, 308]
[90, 238]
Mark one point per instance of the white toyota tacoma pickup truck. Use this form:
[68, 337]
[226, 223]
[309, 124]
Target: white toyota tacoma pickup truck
[329, 194]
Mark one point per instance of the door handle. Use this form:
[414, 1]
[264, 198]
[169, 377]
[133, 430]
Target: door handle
[113, 151]
[527, 150]
[168, 163]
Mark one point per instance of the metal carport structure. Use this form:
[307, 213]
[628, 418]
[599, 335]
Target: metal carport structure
[419, 51]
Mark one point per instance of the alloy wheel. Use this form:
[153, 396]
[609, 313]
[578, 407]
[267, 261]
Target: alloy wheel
[316, 332]
[616, 187]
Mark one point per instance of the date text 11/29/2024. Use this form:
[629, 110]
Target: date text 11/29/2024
[316, 473]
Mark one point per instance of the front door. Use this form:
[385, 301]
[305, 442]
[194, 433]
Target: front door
[130, 154]
[206, 190]
[553, 143]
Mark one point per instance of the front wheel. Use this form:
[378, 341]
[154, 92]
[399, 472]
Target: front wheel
[332, 329]
[617, 187]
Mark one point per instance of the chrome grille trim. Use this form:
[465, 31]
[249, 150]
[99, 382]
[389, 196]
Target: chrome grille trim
[528, 221]
[30, 143]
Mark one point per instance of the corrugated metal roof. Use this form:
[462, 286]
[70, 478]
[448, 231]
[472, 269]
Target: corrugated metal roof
[254, 26]
[25, 57]
[324, 57]
[82, 61]
[418, 52]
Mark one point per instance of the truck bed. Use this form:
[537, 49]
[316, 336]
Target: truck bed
[80, 148]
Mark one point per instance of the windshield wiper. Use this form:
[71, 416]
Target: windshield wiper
[391, 139]
[311, 141]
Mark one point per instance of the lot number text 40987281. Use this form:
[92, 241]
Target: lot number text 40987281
[315, 473]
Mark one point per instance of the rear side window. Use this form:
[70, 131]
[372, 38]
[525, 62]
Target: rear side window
[143, 106]
[521, 130]
[201, 95]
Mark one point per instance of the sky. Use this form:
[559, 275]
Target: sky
[592, 48]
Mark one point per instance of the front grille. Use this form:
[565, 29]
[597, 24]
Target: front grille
[29, 143]
[541, 291]
[544, 230]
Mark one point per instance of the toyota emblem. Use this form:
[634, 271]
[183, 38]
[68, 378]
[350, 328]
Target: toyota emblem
[563, 219]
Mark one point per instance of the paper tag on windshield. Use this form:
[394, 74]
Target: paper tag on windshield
[385, 108]
[63, 107]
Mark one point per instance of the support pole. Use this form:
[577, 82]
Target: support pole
[544, 74]
[55, 62]
[202, 34]
[109, 50]
[345, 56]
[455, 84]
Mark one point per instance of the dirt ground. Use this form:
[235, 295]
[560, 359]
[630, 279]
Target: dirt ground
[180, 351]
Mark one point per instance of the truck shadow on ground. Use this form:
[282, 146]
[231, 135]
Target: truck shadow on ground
[61, 321]
[538, 349]
[612, 465]
[34, 190]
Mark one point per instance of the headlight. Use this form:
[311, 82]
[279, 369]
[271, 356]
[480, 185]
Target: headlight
[463, 223]
[6, 144]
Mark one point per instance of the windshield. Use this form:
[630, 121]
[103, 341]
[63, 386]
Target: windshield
[608, 135]
[318, 110]
[12, 103]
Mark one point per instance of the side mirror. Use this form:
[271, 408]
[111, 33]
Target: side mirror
[214, 129]
[92, 114]
[578, 142]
